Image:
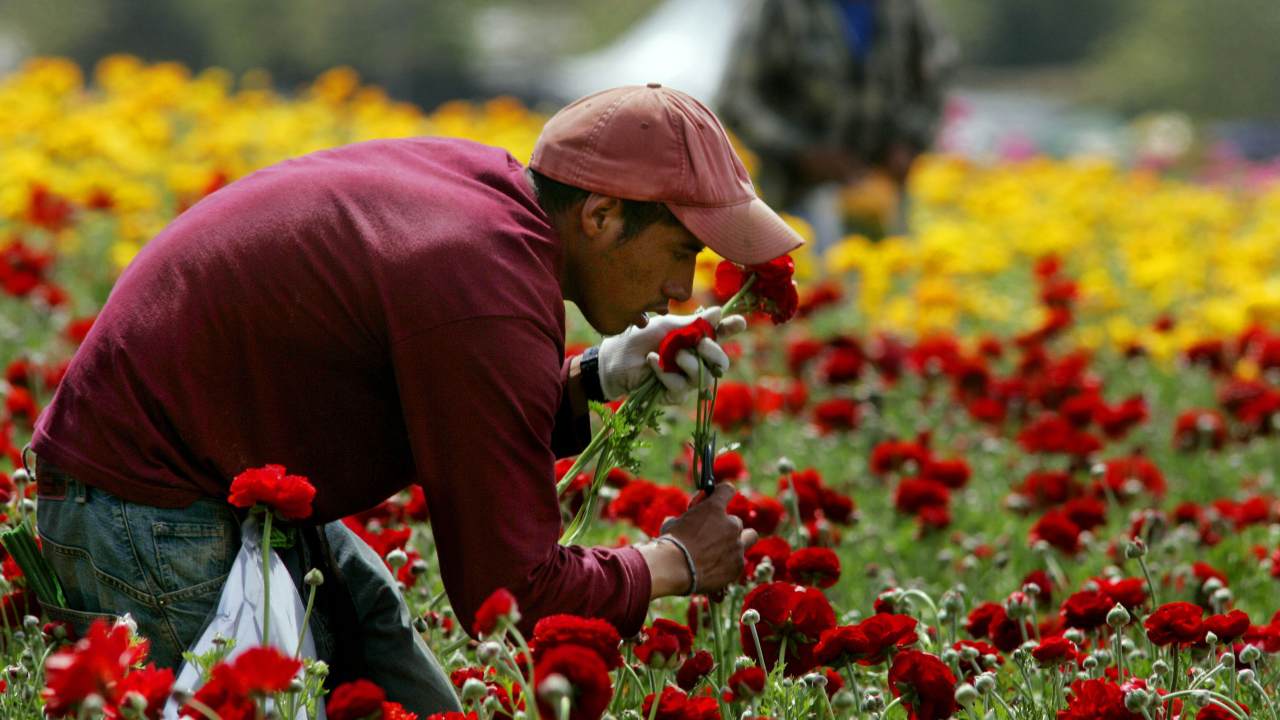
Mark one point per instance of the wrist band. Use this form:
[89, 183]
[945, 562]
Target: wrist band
[688, 559]
[589, 374]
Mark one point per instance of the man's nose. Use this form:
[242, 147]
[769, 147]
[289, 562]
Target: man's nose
[679, 289]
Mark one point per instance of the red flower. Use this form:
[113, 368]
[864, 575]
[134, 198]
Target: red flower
[777, 549]
[224, 694]
[93, 666]
[1199, 428]
[747, 682]
[835, 414]
[354, 700]
[1127, 476]
[1055, 651]
[673, 704]
[598, 635]
[915, 494]
[266, 670]
[734, 405]
[1227, 627]
[587, 675]
[683, 338]
[1175, 622]
[664, 643]
[1129, 592]
[153, 685]
[1086, 610]
[694, 669]
[925, 683]
[1057, 529]
[289, 496]
[952, 473]
[795, 613]
[774, 290]
[819, 567]
[1096, 700]
[885, 631]
[501, 604]
[841, 646]
[892, 455]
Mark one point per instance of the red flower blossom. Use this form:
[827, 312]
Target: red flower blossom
[1227, 627]
[588, 677]
[1086, 610]
[819, 567]
[665, 642]
[501, 604]
[835, 414]
[952, 473]
[777, 549]
[683, 338]
[1055, 651]
[798, 614]
[1175, 623]
[735, 406]
[154, 685]
[1096, 699]
[694, 669]
[1057, 529]
[925, 683]
[747, 682]
[266, 670]
[95, 665]
[886, 631]
[774, 290]
[1127, 476]
[673, 704]
[354, 701]
[891, 455]
[915, 494]
[598, 635]
[289, 496]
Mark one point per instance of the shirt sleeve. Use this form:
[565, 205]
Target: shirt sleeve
[480, 398]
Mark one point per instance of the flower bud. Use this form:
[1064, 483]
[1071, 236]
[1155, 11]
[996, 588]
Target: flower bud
[296, 685]
[742, 662]
[949, 656]
[21, 477]
[872, 702]
[969, 653]
[1159, 668]
[313, 578]
[1250, 654]
[1118, 617]
[1135, 549]
[474, 689]
[31, 622]
[553, 688]
[750, 617]
[1228, 660]
[488, 651]
[985, 683]
[1136, 701]
[1222, 597]
[966, 695]
[1210, 638]
[1090, 662]
[764, 571]
[1075, 635]
[420, 625]
[319, 668]
[843, 700]
[397, 559]
[786, 466]
[817, 680]
[1246, 676]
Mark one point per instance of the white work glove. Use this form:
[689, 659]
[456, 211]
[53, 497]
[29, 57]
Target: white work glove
[627, 360]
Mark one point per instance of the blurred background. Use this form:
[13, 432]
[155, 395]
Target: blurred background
[1033, 75]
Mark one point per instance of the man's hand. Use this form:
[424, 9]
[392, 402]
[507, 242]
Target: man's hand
[715, 540]
[627, 360]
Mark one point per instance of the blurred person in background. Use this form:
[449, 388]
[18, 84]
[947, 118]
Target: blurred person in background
[824, 91]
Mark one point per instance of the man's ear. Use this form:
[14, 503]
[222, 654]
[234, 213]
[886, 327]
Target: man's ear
[601, 216]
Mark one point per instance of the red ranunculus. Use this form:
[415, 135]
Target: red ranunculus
[591, 688]
[683, 338]
[225, 694]
[665, 642]
[747, 682]
[1175, 623]
[816, 566]
[1096, 699]
[154, 685]
[1227, 627]
[886, 631]
[797, 614]
[95, 665]
[289, 496]
[556, 630]
[501, 604]
[1055, 651]
[266, 670]
[1086, 610]
[694, 669]
[925, 683]
[354, 700]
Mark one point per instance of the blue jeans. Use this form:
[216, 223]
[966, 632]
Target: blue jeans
[166, 567]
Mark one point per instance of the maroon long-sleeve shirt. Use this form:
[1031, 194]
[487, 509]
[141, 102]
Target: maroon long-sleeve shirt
[369, 316]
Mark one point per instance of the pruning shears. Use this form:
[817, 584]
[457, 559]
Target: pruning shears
[707, 478]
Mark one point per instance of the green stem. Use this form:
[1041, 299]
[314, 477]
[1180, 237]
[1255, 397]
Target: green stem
[266, 577]
[731, 307]
[306, 621]
[1151, 587]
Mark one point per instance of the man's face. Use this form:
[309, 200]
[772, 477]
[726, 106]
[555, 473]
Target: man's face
[623, 279]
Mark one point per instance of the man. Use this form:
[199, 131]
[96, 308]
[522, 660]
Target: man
[388, 313]
[823, 90]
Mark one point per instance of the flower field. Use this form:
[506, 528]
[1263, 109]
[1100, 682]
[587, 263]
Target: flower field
[1019, 464]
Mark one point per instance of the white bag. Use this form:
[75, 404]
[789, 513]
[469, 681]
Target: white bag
[239, 613]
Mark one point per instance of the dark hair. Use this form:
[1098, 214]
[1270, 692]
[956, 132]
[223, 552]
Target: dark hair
[556, 197]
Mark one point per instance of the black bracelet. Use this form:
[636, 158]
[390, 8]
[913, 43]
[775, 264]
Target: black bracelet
[589, 373]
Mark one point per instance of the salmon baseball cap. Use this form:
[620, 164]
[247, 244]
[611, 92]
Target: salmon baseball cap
[655, 144]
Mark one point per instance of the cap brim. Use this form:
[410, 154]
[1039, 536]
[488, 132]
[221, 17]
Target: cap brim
[747, 233]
